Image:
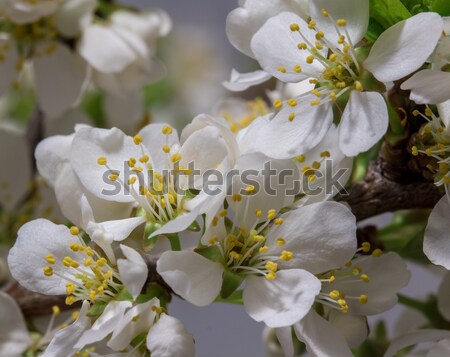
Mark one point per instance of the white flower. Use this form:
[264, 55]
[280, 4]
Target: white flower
[54, 260]
[441, 348]
[276, 264]
[324, 49]
[121, 52]
[165, 336]
[14, 336]
[23, 11]
[432, 85]
[16, 173]
[158, 168]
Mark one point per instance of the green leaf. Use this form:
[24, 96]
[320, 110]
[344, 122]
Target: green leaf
[388, 12]
[212, 253]
[231, 282]
[442, 7]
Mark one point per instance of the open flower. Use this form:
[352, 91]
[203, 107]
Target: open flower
[324, 51]
[160, 169]
[275, 257]
[54, 260]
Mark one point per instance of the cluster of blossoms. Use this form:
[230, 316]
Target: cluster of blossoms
[239, 207]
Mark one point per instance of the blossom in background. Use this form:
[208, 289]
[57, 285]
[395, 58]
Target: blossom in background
[324, 51]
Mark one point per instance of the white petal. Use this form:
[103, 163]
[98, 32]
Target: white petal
[64, 341]
[442, 348]
[15, 162]
[88, 145]
[179, 223]
[355, 12]
[242, 81]
[307, 129]
[8, 67]
[154, 140]
[388, 274]
[444, 113]
[404, 47]
[275, 45]
[284, 336]
[364, 122]
[193, 277]
[64, 124]
[127, 329]
[442, 296]
[60, 79]
[23, 12]
[133, 270]
[283, 301]
[169, 338]
[26, 260]
[14, 336]
[105, 50]
[243, 22]
[414, 338]
[436, 244]
[354, 328]
[124, 112]
[318, 244]
[321, 337]
[70, 15]
[105, 324]
[51, 154]
[429, 86]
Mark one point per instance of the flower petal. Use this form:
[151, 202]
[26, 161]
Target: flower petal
[442, 348]
[364, 122]
[178, 343]
[308, 128]
[355, 12]
[133, 270]
[71, 14]
[283, 301]
[428, 86]
[63, 343]
[243, 81]
[60, 79]
[245, 21]
[321, 337]
[354, 328]
[404, 47]
[105, 324]
[442, 296]
[14, 336]
[193, 277]
[318, 244]
[414, 338]
[27, 258]
[275, 46]
[436, 244]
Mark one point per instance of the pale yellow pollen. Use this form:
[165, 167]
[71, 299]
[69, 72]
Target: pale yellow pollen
[89, 252]
[319, 46]
[48, 271]
[113, 177]
[292, 102]
[302, 46]
[137, 139]
[341, 85]
[297, 68]
[158, 310]
[333, 57]
[167, 130]
[271, 266]
[278, 104]
[271, 214]
[312, 178]
[341, 39]
[366, 247]
[132, 180]
[176, 157]
[280, 242]
[415, 151]
[359, 86]
[286, 255]
[377, 252]
[294, 27]
[258, 213]
[324, 12]
[300, 158]
[311, 24]
[341, 22]
[70, 300]
[259, 238]
[281, 69]
[334, 294]
[291, 117]
[332, 279]
[144, 159]
[131, 161]
[428, 112]
[166, 149]
[237, 197]
[317, 93]
[250, 189]
[310, 59]
[415, 112]
[271, 276]
[315, 102]
[278, 221]
[263, 249]
[102, 160]
[50, 259]
[363, 299]
[56, 310]
[74, 230]
[364, 278]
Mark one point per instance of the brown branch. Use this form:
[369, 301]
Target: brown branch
[388, 189]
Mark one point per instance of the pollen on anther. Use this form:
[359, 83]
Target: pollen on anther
[74, 230]
[102, 160]
[137, 139]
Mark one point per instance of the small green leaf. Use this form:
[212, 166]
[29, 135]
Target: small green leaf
[388, 12]
[212, 253]
[231, 282]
